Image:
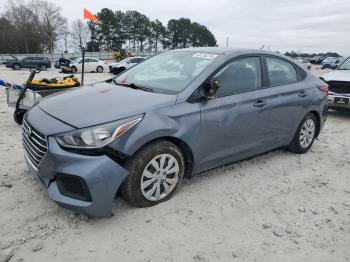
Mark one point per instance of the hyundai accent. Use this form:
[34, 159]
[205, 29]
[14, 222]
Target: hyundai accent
[174, 115]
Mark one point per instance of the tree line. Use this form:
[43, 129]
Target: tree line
[137, 31]
[294, 54]
[37, 26]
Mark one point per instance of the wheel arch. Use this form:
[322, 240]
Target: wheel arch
[183, 146]
[318, 119]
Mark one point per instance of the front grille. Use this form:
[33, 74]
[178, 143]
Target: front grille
[34, 143]
[339, 87]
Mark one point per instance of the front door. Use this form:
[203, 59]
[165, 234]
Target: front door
[233, 125]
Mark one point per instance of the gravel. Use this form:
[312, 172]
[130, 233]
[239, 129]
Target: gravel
[275, 207]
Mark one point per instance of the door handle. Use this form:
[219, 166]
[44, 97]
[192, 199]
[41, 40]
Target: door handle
[302, 94]
[260, 103]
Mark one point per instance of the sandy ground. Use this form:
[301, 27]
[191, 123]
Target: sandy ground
[275, 207]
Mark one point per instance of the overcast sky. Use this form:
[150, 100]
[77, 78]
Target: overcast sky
[308, 26]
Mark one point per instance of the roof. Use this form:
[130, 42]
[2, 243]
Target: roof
[222, 50]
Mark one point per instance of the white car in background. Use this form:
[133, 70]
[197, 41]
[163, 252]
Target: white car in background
[124, 64]
[338, 81]
[90, 65]
[303, 62]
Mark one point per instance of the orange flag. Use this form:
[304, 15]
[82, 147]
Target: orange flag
[88, 15]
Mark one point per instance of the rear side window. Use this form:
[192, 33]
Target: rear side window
[281, 72]
[240, 76]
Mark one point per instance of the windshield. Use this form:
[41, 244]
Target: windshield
[170, 72]
[76, 60]
[345, 65]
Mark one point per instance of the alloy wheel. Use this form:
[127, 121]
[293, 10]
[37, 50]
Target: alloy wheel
[307, 133]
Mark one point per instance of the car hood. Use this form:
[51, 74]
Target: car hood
[102, 102]
[337, 75]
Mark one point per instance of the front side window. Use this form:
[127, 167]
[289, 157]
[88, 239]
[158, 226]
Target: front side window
[281, 72]
[239, 76]
[169, 72]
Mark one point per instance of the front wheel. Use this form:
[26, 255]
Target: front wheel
[74, 70]
[43, 67]
[155, 172]
[305, 135]
[18, 116]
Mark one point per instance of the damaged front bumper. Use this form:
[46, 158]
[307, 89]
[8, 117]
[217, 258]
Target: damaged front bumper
[84, 183]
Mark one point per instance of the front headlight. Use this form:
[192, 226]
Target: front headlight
[96, 136]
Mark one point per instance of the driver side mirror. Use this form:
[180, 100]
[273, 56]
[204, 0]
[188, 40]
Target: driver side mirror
[213, 88]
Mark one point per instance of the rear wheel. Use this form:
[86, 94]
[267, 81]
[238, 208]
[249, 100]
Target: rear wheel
[99, 69]
[74, 70]
[305, 135]
[43, 67]
[16, 67]
[155, 172]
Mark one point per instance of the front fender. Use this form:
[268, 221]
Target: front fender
[180, 121]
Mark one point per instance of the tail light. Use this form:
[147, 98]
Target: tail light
[324, 89]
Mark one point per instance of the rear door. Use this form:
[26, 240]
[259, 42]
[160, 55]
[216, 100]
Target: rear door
[288, 94]
[26, 62]
[235, 124]
[36, 62]
[93, 64]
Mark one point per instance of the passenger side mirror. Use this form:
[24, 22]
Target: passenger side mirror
[213, 88]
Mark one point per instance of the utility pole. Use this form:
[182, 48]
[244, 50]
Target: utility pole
[227, 41]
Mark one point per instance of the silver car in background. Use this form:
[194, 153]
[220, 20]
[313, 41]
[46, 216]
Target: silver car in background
[305, 63]
[125, 64]
[339, 86]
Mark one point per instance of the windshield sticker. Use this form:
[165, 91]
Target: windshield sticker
[205, 56]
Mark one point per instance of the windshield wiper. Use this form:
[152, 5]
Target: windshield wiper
[133, 86]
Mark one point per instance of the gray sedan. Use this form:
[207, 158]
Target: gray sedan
[172, 116]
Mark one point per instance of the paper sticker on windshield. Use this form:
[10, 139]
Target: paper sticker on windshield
[205, 56]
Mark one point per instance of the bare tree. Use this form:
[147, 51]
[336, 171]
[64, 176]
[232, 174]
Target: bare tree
[65, 36]
[80, 33]
[51, 21]
[22, 18]
[37, 23]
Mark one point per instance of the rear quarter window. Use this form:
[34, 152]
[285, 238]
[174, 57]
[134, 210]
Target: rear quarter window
[281, 72]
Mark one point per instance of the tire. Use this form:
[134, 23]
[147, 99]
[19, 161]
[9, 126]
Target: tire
[74, 70]
[118, 70]
[43, 67]
[18, 116]
[132, 190]
[99, 69]
[304, 136]
[16, 67]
